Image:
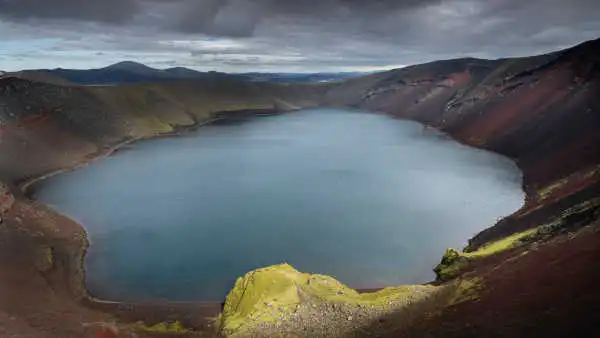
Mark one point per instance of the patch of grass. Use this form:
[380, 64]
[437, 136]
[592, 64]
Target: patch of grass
[545, 192]
[584, 174]
[455, 262]
[162, 327]
[500, 245]
[467, 290]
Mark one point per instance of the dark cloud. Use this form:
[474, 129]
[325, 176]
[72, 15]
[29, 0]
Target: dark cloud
[289, 35]
[241, 17]
[94, 10]
[215, 17]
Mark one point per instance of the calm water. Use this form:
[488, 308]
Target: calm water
[370, 200]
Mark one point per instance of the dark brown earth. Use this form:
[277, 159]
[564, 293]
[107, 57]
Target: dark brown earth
[551, 291]
[542, 111]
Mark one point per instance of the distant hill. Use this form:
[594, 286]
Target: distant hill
[300, 77]
[133, 72]
[128, 72]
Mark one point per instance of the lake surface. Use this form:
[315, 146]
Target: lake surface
[368, 199]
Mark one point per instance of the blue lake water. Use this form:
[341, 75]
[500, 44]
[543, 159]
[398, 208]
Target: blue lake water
[370, 200]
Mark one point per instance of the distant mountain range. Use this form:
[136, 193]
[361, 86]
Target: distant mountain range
[301, 77]
[133, 72]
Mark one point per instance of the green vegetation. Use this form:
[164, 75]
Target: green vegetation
[584, 174]
[454, 262]
[547, 191]
[162, 327]
[271, 294]
[467, 290]
[500, 245]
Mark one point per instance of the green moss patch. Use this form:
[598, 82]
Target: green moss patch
[175, 327]
[455, 262]
[500, 245]
[584, 174]
[467, 290]
[276, 293]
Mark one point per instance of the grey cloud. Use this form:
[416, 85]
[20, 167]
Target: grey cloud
[303, 34]
[241, 17]
[95, 10]
[214, 17]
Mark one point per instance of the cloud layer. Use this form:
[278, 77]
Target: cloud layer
[284, 35]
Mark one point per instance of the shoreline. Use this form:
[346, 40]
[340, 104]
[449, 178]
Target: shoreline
[79, 291]
[134, 311]
[164, 308]
[23, 186]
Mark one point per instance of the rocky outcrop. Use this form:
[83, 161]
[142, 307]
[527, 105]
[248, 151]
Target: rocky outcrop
[279, 300]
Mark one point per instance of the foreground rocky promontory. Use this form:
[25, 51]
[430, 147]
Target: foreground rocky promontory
[531, 269]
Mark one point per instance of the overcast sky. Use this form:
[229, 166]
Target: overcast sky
[284, 35]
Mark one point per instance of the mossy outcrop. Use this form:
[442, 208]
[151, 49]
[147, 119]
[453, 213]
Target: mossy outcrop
[455, 262]
[292, 303]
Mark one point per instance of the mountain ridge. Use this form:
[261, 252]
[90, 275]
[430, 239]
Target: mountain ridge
[131, 72]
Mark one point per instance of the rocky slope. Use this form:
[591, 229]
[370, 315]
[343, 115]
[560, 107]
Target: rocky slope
[543, 111]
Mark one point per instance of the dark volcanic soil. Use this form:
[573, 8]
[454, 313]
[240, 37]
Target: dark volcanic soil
[549, 291]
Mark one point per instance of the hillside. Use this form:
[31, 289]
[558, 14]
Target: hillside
[61, 126]
[543, 111]
[129, 72]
